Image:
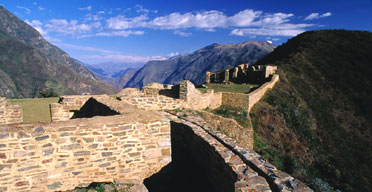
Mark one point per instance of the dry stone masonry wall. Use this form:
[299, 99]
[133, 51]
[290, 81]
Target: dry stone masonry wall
[226, 171]
[243, 73]
[63, 155]
[279, 181]
[149, 101]
[64, 109]
[10, 113]
[195, 99]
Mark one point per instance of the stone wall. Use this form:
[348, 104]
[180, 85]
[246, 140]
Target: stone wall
[68, 104]
[195, 99]
[63, 155]
[278, 180]
[247, 101]
[237, 100]
[243, 73]
[149, 101]
[257, 94]
[224, 170]
[10, 113]
[228, 126]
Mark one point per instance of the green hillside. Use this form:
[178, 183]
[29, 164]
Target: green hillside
[316, 122]
[29, 64]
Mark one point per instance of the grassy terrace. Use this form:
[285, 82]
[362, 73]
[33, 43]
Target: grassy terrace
[35, 110]
[235, 88]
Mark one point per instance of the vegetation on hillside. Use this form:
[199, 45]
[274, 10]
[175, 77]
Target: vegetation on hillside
[316, 119]
[30, 64]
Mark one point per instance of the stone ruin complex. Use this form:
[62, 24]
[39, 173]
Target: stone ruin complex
[243, 73]
[132, 139]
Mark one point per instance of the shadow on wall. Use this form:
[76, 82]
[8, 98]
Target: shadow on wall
[174, 92]
[193, 161]
[93, 108]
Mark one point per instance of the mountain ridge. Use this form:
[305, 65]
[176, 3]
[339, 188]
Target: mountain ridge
[49, 66]
[193, 66]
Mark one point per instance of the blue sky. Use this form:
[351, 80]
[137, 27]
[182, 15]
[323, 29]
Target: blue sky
[137, 31]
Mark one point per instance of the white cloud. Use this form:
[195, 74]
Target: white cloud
[121, 22]
[206, 19]
[117, 58]
[141, 9]
[25, 9]
[246, 23]
[182, 33]
[88, 8]
[36, 24]
[243, 18]
[64, 27]
[173, 54]
[120, 33]
[92, 17]
[279, 30]
[41, 8]
[317, 16]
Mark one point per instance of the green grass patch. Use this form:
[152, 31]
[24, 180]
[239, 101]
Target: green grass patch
[234, 88]
[35, 110]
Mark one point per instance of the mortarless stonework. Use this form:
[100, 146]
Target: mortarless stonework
[63, 155]
[10, 113]
[135, 144]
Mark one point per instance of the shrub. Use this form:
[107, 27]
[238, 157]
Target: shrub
[48, 93]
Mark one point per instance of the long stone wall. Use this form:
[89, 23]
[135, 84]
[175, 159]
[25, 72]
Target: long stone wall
[277, 180]
[224, 170]
[247, 101]
[66, 154]
[10, 113]
[257, 94]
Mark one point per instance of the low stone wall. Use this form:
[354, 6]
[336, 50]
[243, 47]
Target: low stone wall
[64, 109]
[257, 94]
[63, 155]
[153, 101]
[196, 100]
[278, 180]
[243, 135]
[225, 171]
[10, 113]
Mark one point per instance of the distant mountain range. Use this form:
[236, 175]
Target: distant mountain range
[193, 66]
[30, 64]
[115, 74]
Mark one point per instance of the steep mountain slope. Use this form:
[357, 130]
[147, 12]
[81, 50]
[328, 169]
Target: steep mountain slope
[316, 122]
[193, 66]
[30, 64]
